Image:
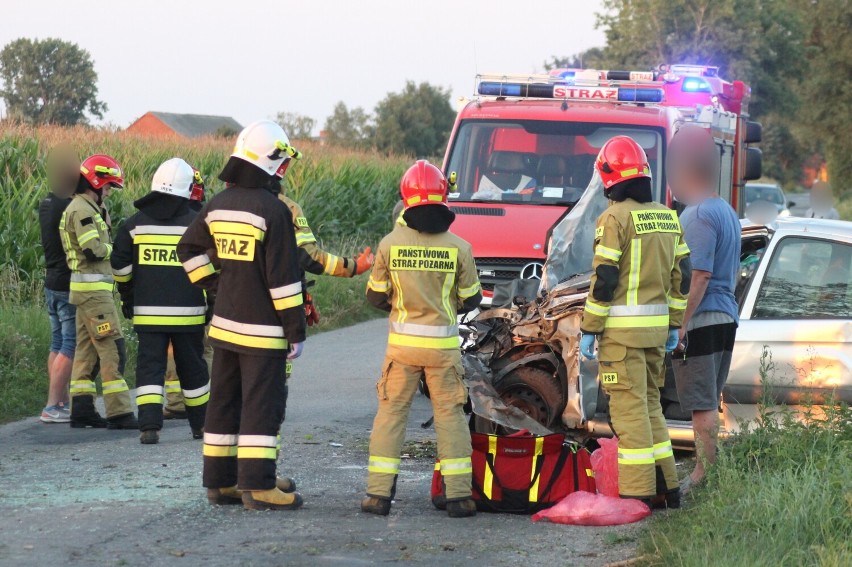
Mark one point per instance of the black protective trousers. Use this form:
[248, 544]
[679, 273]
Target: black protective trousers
[151, 360]
[247, 400]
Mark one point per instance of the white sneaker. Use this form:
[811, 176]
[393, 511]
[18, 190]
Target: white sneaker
[55, 414]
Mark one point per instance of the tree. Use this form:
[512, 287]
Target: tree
[297, 126]
[348, 127]
[49, 82]
[825, 119]
[592, 58]
[415, 121]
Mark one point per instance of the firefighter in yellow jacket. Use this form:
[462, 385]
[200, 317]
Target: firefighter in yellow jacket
[635, 306]
[424, 276]
[85, 238]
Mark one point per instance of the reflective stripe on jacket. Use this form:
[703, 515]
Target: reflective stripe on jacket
[637, 292]
[86, 241]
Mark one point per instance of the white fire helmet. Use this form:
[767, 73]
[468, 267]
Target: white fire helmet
[174, 177]
[263, 144]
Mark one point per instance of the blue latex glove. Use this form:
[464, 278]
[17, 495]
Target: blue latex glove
[671, 342]
[587, 346]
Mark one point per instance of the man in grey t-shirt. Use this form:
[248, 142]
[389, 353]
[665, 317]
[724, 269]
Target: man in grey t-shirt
[713, 233]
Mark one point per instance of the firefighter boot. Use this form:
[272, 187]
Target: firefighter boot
[123, 421]
[84, 414]
[461, 508]
[376, 505]
[285, 484]
[664, 498]
[149, 437]
[272, 499]
[225, 496]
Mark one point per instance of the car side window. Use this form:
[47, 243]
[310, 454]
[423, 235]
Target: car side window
[807, 278]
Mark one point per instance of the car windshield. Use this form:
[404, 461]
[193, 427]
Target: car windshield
[769, 193]
[536, 161]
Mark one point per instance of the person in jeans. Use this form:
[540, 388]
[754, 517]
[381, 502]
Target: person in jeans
[62, 173]
[712, 232]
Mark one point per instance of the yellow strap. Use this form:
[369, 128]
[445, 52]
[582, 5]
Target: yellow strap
[149, 399]
[539, 445]
[257, 453]
[488, 481]
[272, 343]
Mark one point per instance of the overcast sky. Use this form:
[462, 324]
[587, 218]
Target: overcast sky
[252, 58]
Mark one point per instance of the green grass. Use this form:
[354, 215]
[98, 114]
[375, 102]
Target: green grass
[25, 336]
[780, 494]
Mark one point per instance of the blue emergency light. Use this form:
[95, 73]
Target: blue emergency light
[695, 85]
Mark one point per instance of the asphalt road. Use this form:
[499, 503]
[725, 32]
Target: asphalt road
[98, 497]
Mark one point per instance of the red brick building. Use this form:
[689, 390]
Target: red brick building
[164, 124]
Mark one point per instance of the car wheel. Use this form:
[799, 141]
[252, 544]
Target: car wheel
[534, 391]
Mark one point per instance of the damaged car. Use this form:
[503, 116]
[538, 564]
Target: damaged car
[522, 357]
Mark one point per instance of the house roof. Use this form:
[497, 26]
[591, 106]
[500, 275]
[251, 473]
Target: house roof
[194, 125]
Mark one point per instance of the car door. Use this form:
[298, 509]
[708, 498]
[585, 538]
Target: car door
[798, 309]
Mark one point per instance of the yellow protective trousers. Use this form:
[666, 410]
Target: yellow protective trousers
[632, 377]
[396, 389]
[99, 338]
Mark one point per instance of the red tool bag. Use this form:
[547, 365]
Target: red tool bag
[522, 473]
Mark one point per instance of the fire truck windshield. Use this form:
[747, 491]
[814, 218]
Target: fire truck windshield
[536, 161]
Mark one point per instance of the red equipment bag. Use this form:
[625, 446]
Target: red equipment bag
[522, 473]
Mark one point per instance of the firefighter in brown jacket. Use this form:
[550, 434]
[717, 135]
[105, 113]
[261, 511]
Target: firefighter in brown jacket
[424, 276]
[258, 322]
[635, 306]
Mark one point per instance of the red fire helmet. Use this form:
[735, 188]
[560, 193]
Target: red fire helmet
[423, 184]
[620, 159]
[100, 170]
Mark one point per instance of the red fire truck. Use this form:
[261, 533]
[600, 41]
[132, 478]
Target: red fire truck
[523, 149]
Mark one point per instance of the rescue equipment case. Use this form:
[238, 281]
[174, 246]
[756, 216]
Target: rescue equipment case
[522, 473]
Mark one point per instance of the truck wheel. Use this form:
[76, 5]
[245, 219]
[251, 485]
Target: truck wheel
[535, 392]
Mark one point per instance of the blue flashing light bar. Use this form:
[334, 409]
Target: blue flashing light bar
[568, 91]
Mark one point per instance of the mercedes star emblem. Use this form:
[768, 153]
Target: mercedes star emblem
[532, 271]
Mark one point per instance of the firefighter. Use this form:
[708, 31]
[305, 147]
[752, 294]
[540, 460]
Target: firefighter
[635, 306]
[424, 276]
[174, 408]
[145, 263]
[85, 238]
[258, 321]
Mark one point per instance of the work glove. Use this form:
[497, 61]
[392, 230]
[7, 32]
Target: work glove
[673, 340]
[587, 346]
[127, 310]
[312, 315]
[295, 350]
[365, 261]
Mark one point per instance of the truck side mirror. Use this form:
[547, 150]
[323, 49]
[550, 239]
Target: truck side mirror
[753, 164]
[753, 132]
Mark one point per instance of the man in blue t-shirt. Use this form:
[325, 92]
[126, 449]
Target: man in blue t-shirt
[712, 232]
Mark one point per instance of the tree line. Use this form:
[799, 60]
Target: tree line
[53, 81]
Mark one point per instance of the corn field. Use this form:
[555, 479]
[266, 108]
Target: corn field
[347, 195]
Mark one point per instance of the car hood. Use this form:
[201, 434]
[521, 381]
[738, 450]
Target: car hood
[505, 230]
